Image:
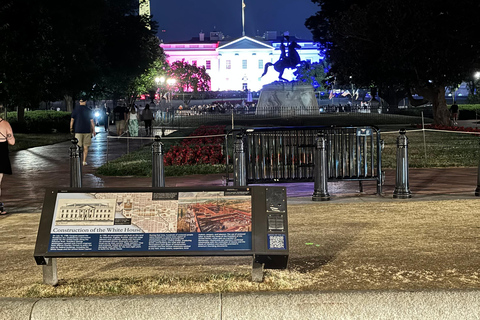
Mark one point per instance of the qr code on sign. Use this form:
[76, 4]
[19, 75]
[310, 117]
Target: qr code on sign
[276, 241]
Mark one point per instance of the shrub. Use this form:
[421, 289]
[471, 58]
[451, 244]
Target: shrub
[41, 122]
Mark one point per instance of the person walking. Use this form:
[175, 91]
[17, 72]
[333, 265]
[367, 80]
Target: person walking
[133, 122]
[147, 117]
[120, 116]
[82, 124]
[6, 138]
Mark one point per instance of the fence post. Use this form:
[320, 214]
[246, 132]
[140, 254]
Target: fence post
[76, 153]
[239, 164]
[320, 176]
[49, 270]
[477, 191]
[158, 172]
[402, 188]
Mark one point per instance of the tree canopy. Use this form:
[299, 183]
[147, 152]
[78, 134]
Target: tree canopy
[400, 46]
[53, 48]
[189, 77]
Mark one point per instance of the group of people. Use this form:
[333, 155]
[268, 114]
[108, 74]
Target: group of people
[129, 118]
[221, 107]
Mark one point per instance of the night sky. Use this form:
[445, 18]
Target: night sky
[184, 19]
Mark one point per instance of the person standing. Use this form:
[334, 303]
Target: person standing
[120, 116]
[147, 116]
[6, 138]
[454, 113]
[82, 124]
[106, 116]
[133, 122]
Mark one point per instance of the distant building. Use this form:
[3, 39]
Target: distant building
[237, 64]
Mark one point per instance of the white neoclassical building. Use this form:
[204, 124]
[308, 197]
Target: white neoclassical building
[237, 64]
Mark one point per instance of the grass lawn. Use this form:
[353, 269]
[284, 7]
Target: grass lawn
[439, 149]
[432, 150]
[24, 141]
[407, 245]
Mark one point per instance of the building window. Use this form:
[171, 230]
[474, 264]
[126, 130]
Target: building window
[244, 86]
[229, 64]
[260, 64]
[244, 64]
[208, 65]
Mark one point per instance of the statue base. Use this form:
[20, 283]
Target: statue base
[287, 99]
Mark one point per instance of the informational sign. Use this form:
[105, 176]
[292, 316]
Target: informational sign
[144, 221]
[165, 222]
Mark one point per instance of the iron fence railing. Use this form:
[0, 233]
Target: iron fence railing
[286, 154]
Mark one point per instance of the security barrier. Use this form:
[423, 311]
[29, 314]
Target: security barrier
[286, 154]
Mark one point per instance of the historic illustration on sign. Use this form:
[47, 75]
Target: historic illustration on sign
[151, 216]
[213, 212]
[85, 212]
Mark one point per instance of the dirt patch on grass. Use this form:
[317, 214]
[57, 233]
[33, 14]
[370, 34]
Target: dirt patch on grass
[406, 245]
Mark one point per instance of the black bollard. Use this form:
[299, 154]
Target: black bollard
[158, 172]
[76, 153]
[402, 188]
[239, 163]
[321, 178]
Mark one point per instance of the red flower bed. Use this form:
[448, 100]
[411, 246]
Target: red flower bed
[204, 150]
[448, 128]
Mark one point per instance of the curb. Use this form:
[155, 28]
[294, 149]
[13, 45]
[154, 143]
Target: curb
[454, 304]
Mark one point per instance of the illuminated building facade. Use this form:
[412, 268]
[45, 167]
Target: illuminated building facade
[237, 64]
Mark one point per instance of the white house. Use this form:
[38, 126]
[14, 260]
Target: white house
[237, 64]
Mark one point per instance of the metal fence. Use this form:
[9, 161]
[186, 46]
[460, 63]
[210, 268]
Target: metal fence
[286, 154]
[385, 114]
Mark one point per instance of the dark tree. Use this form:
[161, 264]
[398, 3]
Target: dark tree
[400, 46]
[53, 49]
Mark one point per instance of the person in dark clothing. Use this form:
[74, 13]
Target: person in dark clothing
[147, 117]
[120, 116]
[454, 113]
[83, 126]
[106, 117]
[6, 139]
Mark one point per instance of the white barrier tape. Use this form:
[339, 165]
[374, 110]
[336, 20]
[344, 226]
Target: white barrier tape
[435, 130]
[387, 132]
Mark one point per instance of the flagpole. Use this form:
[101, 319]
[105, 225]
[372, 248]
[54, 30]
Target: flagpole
[243, 18]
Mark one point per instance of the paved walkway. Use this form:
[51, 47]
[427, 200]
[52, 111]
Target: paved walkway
[44, 167]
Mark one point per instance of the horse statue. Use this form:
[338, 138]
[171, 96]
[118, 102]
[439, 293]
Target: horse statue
[286, 61]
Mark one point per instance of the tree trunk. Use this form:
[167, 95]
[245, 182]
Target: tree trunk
[68, 102]
[21, 114]
[441, 115]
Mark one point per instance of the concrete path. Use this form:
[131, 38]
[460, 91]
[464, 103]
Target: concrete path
[370, 305]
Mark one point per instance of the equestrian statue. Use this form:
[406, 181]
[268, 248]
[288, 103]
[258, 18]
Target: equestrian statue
[290, 60]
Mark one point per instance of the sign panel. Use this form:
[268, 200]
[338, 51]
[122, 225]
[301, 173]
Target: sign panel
[364, 132]
[151, 221]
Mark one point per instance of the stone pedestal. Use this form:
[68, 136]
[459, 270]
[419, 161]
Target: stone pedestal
[287, 99]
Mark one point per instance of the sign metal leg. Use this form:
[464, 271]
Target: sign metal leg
[50, 272]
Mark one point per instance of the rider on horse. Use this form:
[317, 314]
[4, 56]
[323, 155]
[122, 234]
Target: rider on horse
[289, 60]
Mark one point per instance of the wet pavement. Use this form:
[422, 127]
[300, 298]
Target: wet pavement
[37, 169]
